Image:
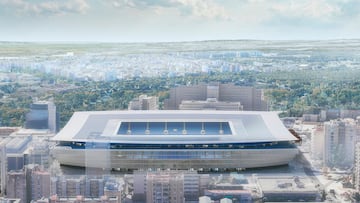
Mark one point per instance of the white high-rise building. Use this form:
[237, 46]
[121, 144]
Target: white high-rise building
[3, 167]
[340, 138]
[357, 167]
[169, 186]
[357, 159]
[317, 143]
[165, 187]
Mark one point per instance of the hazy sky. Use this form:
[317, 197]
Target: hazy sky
[177, 20]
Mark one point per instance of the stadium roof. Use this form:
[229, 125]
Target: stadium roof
[148, 127]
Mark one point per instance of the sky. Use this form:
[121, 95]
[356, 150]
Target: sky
[177, 20]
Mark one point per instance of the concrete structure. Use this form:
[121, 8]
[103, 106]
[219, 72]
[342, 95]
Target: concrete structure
[143, 102]
[357, 167]
[340, 138]
[193, 187]
[81, 199]
[250, 98]
[205, 199]
[333, 114]
[139, 186]
[25, 146]
[39, 152]
[210, 104]
[238, 196]
[165, 187]
[6, 131]
[310, 118]
[9, 200]
[40, 183]
[31, 183]
[174, 139]
[114, 188]
[3, 167]
[317, 143]
[168, 186]
[16, 185]
[43, 115]
[15, 152]
[73, 186]
[226, 200]
[288, 188]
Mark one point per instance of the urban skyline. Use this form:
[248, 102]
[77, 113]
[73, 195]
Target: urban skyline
[97, 67]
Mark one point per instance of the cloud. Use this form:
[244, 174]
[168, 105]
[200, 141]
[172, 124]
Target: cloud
[309, 14]
[205, 8]
[48, 7]
[319, 9]
[197, 8]
[143, 3]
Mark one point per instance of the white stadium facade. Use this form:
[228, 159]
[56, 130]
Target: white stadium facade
[174, 140]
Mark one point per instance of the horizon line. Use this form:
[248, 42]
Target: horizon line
[155, 42]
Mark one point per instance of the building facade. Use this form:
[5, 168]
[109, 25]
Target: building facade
[165, 187]
[144, 102]
[357, 167]
[174, 140]
[3, 167]
[16, 185]
[250, 98]
[73, 186]
[40, 183]
[317, 143]
[168, 186]
[43, 115]
[210, 104]
[339, 146]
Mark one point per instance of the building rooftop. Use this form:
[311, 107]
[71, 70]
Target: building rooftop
[33, 132]
[17, 144]
[293, 184]
[163, 127]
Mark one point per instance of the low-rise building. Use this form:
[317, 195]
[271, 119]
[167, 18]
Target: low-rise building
[288, 188]
[144, 102]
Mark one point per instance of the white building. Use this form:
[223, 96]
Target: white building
[205, 199]
[340, 139]
[288, 189]
[175, 140]
[168, 185]
[317, 143]
[226, 200]
[210, 104]
[144, 102]
[251, 99]
[3, 165]
[165, 187]
[357, 167]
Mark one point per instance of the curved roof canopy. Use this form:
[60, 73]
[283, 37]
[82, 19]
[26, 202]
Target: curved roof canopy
[174, 127]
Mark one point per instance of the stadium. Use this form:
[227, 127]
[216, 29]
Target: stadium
[174, 140]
